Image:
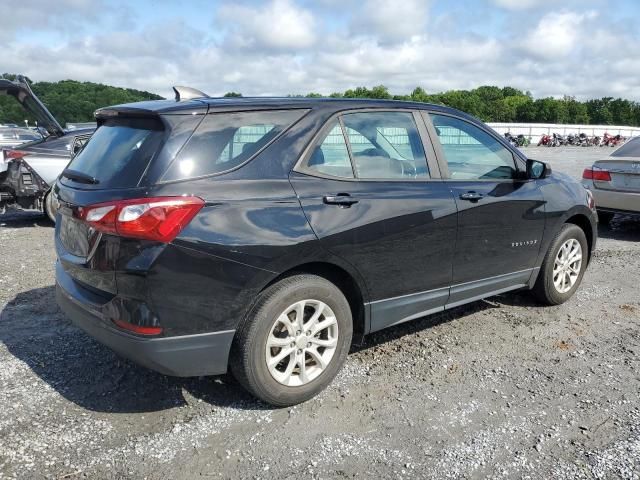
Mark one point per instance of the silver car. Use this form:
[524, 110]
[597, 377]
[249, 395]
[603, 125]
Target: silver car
[10, 136]
[615, 181]
[28, 170]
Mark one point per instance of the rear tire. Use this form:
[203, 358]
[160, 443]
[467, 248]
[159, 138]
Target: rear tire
[605, 218]
[561, 273]
[284, 362]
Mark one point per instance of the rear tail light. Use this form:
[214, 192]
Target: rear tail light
[595, 174]
[12, 154]
[137, 328]
[158, 218]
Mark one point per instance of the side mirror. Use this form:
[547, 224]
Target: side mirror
[537, 170]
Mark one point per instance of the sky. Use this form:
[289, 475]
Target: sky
[586, 48]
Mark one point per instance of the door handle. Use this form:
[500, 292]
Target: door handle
[341, 199]
[471, 196]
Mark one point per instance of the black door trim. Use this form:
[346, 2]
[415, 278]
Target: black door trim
[393, 311]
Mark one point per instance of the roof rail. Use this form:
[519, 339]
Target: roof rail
[188, 93]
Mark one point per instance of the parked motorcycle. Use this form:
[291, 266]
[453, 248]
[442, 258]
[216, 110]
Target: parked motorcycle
[558, 140]
[517, 141]
[611, 140]
[545, 140]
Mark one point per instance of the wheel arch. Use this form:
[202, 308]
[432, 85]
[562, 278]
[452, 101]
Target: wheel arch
[352, 289]
[581, 220]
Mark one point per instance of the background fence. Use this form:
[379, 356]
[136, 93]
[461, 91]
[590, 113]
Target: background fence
[536, 130]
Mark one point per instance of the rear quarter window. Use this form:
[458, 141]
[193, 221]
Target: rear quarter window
[224, 141]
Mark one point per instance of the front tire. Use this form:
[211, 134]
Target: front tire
[294, 340]
[563, 266]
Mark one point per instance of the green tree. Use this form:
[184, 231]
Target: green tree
[380, 92]
[70, 101]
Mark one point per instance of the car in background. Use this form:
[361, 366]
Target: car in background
[615, 181]
[263, 234]
[30, 164]
[10, 137]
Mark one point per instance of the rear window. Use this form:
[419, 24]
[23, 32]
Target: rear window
[119, 152]
[226, 140]
[629, 149]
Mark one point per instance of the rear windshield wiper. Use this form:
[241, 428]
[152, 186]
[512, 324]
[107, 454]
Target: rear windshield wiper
[79, 176]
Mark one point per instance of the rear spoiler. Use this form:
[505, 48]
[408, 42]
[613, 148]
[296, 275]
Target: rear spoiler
[111, 112]
[183, 94]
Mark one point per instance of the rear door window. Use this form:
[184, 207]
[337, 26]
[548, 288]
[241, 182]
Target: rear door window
[330, 156]
[224, 141]
[119, 152]
[386, 145]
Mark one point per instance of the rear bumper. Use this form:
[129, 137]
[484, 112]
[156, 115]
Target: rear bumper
[613, 200]
[181, 356]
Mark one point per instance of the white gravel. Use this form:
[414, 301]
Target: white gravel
[502, 388]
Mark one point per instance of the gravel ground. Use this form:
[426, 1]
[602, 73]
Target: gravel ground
[501, 388]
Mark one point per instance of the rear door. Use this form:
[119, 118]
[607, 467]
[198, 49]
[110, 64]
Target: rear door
[501, 215]
[370, 188]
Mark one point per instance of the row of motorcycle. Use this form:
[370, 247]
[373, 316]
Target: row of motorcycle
[581, 140]
[576, 140]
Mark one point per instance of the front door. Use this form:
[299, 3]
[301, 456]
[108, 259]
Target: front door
[374, 200]
[501, 214]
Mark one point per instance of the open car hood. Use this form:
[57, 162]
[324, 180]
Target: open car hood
[22, 92]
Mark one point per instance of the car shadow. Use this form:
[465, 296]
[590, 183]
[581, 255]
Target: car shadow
[24, 219]
[83, 371]
[622, 227]
[411, 327]
[36, 332]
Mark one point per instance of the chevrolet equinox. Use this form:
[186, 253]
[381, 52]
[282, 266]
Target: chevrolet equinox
[262, 235]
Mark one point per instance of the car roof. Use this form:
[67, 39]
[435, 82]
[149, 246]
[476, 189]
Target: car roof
[234, 103]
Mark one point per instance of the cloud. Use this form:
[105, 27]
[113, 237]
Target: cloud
[68, 15]
[390, 21]
[557, 33]
[523, 4]
[279, 25]
[281, 47]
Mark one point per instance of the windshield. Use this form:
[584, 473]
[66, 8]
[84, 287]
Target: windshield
[119, 152]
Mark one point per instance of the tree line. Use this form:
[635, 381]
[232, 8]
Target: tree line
[508, 104]
[70, 101]
[73, 101]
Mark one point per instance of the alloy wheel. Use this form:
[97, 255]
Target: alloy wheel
[301, 342]
[567, 265]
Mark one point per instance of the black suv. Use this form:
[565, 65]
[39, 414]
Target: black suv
[263, 234]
